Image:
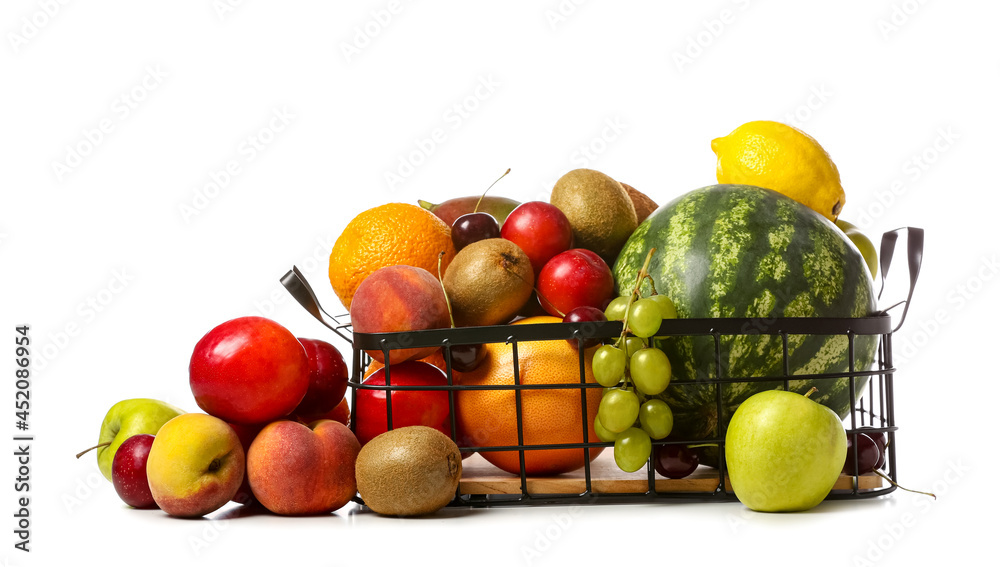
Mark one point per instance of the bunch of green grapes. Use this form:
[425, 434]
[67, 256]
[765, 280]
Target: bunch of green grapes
[632, 373]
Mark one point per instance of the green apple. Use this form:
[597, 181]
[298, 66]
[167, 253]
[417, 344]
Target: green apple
[128, 418]
[864, 245]
[784, 452]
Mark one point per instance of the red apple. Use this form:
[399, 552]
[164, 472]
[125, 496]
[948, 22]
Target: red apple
[540, 229]
[327, 378]
[296, 469]
[409, 407]
[128, 471]
[575, 278]
[249, 370]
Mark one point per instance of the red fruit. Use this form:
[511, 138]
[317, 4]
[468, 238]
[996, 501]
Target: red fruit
[128, 471]
[575, 278]
[398, 299]
[327, 378]
[246, 433]
[340, 414]
[585, 314]
[409, 407]
[539, 229]
[473, 227]
[249, 370]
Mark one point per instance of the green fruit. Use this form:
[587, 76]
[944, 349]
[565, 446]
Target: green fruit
[488, 282]
[618, 410]
[128, 418]
[644, 318]
[741, 251]
[609, 365]
[864, 245]
[650, 370]
[656, 418]
[599, 210]
[603, 434]
[410, 471]
[632, 449]
[784, 452]
[615, 311]
[667, 308]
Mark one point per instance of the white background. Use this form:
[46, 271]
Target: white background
[182, 87]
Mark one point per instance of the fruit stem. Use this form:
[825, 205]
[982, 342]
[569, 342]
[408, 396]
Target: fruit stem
[443, 290]
[635, 290]
[84, 452]
[535, 289]
[702, 445]
[931, 494]
[427, 205]
[811, 390]
[475, 210]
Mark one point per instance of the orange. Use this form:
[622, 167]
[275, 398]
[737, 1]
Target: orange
[388, 235]
[548, 415]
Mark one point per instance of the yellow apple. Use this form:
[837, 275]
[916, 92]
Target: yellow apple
[195, 465]
[864, 245]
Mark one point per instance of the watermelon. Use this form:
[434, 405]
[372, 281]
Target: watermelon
[727, 251]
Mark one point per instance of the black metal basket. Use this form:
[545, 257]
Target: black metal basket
[873, 408]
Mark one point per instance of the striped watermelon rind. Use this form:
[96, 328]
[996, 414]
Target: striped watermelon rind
[727, 251]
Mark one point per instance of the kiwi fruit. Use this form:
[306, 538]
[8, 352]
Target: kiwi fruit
[598, 209]
[643, 205]
[410, 471]
[488, 282]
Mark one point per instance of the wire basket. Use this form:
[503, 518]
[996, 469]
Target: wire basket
[869, 387]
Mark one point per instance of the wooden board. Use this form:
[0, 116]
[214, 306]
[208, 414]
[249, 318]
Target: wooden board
[480, 477]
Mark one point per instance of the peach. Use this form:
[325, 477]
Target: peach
[397, 299]
[296, 469]
[195, 465]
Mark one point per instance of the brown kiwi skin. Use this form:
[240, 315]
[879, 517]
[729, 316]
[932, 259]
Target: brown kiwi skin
[599, 210]
[488, 282]
[410, 471]
[643, 205]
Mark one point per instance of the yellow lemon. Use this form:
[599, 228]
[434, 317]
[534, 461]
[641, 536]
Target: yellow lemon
[782, 158]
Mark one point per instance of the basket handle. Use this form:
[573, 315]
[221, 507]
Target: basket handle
[915, 256]
[299, 288]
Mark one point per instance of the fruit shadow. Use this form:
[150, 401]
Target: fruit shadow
[358, 511]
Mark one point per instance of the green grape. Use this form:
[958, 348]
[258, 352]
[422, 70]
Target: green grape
[632, 449]
[650, 370]
[618, 410]
[656, 418]
[632, 344]
[667, 308]
[644, 318]
[603, 434]
[615, 311]
[608, 365]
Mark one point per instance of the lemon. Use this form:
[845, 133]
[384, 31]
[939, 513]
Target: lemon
[782, 158]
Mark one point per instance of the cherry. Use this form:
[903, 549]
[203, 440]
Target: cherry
[674, 461]
[584, 314]
[473, 227]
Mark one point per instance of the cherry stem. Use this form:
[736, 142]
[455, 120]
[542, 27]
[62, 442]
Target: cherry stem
[443, 290]
[811, 390]
[84, 452]
[931, 494]
[702, 445]
[475, 210]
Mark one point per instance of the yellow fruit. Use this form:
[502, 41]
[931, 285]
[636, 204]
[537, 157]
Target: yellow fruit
[387, 235]
[549, 416]
[782, 158]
